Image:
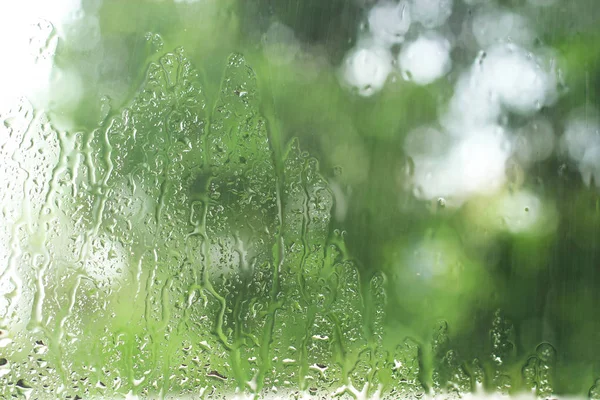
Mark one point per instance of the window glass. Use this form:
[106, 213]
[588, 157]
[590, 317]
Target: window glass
[369, 199]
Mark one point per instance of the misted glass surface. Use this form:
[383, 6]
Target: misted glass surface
[265, 199]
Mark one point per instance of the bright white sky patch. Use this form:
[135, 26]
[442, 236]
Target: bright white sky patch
[473, 165]
[589, 167]
[29, 31]
[479, 161]
[425, 59]
[389, 22]
[467, 155]
[518, 78]
[431, 13]
[367, 69]
[471, 106]
[505, 77]
[494, 25]
[582, 131]
[581, 141]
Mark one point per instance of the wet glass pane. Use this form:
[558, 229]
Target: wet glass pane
[369, 199]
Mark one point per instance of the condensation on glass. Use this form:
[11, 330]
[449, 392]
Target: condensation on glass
[299, 199]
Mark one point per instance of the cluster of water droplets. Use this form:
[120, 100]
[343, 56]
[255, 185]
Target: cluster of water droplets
[148, 256]
[114, 221]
